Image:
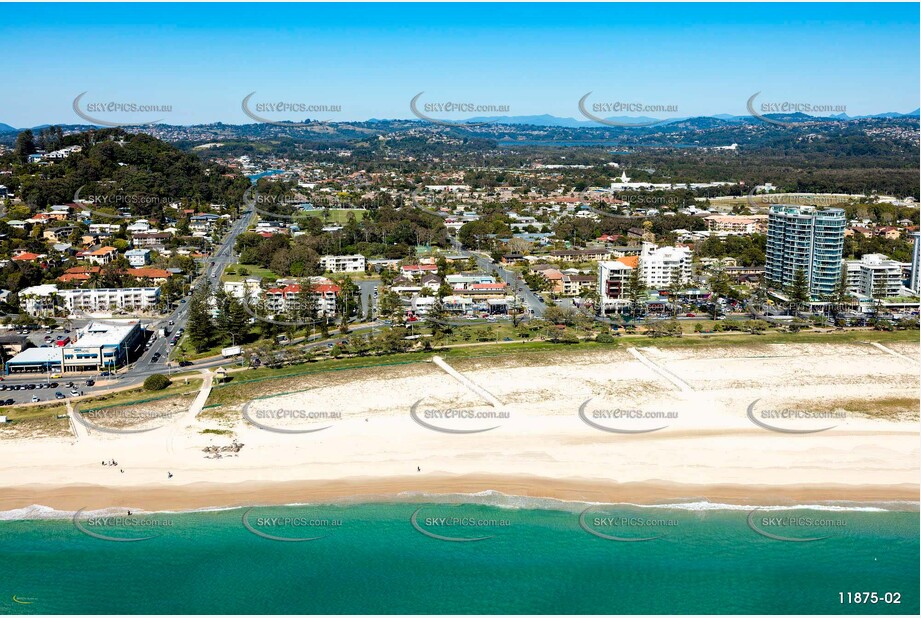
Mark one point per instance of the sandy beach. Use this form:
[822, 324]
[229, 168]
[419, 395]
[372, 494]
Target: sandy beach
[650, 425]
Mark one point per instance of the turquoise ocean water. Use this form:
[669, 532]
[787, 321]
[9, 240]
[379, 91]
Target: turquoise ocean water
[375, 558]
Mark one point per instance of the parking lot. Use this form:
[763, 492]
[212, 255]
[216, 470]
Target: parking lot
[32, 390]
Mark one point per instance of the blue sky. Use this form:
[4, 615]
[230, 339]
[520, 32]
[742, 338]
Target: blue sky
[371, 59]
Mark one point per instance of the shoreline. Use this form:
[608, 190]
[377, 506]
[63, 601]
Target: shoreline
[534, 489]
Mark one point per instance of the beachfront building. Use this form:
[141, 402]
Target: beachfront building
[249, 288]
[110, 299]
[39, 299]
[663, 266]
[287, 299]
[874, 276]
[613, 278]
[343, 263]
[97, 347]
[803, 238]
[914, 283]
[103, 347]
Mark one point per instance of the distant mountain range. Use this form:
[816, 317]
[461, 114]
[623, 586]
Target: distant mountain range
[547, 120]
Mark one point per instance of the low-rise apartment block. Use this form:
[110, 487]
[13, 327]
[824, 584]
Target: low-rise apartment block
[343, 263]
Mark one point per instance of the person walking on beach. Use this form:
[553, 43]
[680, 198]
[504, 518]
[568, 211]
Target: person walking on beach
[169, 475]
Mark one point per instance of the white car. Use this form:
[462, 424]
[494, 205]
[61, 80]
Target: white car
[35, 399]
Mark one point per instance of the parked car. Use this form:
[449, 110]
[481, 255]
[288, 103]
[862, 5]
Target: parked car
[35, 399]
[90, 382]
[59, 395]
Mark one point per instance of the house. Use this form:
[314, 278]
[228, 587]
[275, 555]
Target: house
[432, 282]
[103, 255]
[203, 222]
[155, 275]
[889, 232]
[138, 257]
[57, 234]
[410, 270]
[26, 256]
[555, 279]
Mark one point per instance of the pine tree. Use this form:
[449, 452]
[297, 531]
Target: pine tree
[200, 325]
[798, 291]
[636, 291]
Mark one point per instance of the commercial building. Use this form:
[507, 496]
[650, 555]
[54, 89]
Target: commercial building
[343, 263]
[103, 347]
[803, 238]
[98, 347]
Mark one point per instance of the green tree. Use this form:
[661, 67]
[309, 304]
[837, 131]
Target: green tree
[201, 328]
[636, 292]
[156, 382]
[798, 291]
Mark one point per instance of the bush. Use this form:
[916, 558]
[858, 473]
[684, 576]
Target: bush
[605, 338]
[156, 382]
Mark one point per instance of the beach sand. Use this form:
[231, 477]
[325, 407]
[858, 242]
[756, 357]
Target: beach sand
[708, 449]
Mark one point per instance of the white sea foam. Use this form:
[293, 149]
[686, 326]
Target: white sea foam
[486, 498]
